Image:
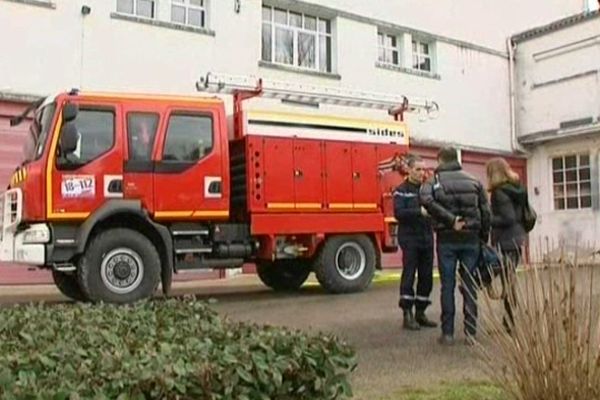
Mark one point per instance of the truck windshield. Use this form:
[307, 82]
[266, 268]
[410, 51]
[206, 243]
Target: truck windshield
[39, 132]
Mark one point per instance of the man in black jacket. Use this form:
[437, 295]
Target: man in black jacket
[415, 237]
[460, 209]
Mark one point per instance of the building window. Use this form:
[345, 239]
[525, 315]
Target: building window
[189, 12]
[571, 182]
[142, 8]
[388, 49]
[296, 39]
[421, 56]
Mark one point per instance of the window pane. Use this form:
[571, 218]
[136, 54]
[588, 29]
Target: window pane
[281, 16]
[195, 17]
[572, 203]
[395, 57]
[310, 23]
[584, 159]
[307, 50]
[96, 133]
[571, 162]
[178, 1]
[189, 138]
[586, 202]
[424, 48]
[571, 175]
[557, 177]
[325, 53]
[125, 6]
[415, 63]
[425, 64]
[141, 131]
[388, 41]
[559, 204]
[584, 174]
[266, 42]
[145, 8]
[559, 191]
[198, 3]
[178, 14]
[381, 54]
[414, 46]
[324, 26]
[380, 39]
[572, 190]
[284, 45]
[557, 163]
[296, 20]
[266, 13]
[585, 189]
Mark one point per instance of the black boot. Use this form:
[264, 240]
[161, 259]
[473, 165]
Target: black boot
[409, 321]
[422, 320]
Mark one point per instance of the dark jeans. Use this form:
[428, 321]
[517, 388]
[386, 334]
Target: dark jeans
[416, 259]
[511, 259]
[466, 255]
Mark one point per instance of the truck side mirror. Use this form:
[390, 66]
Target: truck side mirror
[68, 138]
[69, 112]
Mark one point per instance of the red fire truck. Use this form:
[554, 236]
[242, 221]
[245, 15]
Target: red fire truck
[120, 191]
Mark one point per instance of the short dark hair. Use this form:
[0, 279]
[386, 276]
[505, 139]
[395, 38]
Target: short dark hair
[447, 154]
[411, 159]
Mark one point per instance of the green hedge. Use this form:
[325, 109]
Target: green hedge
[175, 349]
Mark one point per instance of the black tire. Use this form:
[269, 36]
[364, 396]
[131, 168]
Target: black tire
[346, 264]
[119, 266]
[68, 285]
[283, 275]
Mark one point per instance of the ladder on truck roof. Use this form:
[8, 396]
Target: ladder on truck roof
[244, 87]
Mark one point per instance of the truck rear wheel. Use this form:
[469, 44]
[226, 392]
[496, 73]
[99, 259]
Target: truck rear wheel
[68, 285]
[283, 275]
[119, 266]
[346, 264]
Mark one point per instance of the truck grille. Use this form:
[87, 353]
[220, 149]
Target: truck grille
[11, 210]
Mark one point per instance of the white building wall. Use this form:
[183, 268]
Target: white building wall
[50, 49]
[558, 82]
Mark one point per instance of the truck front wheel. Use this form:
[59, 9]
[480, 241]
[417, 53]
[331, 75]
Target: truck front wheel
[119, 266]
[68, 285]
[283, 275]
[346, 264]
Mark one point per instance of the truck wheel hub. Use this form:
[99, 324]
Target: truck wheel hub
[122, 270]
[350, 261]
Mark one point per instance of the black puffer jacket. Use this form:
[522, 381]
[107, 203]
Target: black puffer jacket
[454, 193]
[508, 201]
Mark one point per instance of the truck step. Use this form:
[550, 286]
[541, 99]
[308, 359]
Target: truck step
[194, 250]
[225, 263]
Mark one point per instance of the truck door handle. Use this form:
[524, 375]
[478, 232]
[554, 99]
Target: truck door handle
[298, 173]
[356, 175]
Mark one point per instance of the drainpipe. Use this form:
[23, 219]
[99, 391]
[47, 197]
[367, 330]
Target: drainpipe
[514, 142]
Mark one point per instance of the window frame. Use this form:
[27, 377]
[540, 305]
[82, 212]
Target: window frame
[90, 107]
[323, 66]
[417, 53]
[135, 9]
[564, 183]
[187, 113]
[381, 46]
[185, 4]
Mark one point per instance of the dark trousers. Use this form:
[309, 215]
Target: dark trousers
[416, 259]
[511, 259]
[467, 256]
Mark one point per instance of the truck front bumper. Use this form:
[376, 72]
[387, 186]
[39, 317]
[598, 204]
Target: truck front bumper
[20, 244]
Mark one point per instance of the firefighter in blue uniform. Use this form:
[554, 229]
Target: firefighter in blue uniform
[415, 237]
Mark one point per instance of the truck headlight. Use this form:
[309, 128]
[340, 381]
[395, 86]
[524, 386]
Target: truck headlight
[36, 234]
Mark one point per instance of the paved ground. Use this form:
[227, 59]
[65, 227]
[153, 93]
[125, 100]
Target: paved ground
[390, 359]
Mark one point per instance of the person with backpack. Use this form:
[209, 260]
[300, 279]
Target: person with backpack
[458, 204]
[511, 220]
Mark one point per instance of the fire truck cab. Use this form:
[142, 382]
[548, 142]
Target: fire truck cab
[119, 191]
